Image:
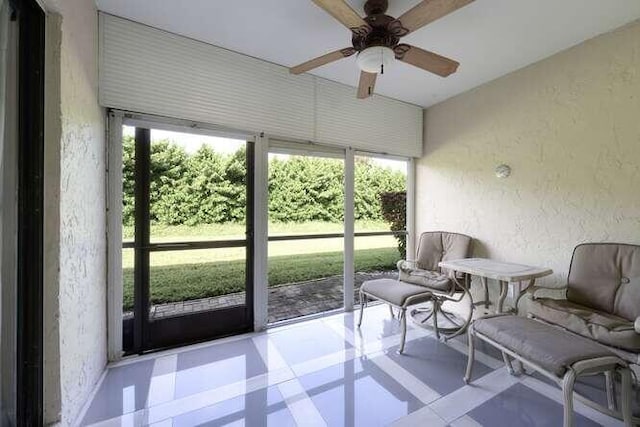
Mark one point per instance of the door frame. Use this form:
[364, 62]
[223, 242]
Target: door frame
[263, 142]
[30, 210]
[117, 119]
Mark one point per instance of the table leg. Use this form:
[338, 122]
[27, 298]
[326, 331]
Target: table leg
[504, 287]
[521, 292]
[485, 287]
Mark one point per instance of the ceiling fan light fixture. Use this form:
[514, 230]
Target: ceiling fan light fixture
[375, 58]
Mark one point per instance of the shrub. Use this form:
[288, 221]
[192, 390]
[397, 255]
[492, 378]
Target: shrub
[394, 211]
[208, 187]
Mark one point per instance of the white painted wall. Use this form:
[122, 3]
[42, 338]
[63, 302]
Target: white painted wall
[76, 296]
[569, 126]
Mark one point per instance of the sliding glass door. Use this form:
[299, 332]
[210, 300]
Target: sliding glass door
[188, 238]
[306, 232]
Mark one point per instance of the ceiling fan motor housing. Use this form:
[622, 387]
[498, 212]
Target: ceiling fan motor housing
[379, 35]
[376, 7]
[384, 30]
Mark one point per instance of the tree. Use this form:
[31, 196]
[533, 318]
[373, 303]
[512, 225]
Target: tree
[394, 211]
[208, 187]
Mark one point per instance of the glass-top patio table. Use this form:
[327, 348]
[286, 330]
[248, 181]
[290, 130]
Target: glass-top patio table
[504, 272]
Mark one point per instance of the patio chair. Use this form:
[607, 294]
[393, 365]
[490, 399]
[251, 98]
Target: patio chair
[602, 300]
[444, 286]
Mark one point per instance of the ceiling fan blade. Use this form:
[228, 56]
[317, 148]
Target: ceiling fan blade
[426, 60]
[366, 85]
[341, 11]
[425, 12]
[322, 60]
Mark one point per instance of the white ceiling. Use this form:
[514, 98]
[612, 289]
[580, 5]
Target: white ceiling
[489, 38]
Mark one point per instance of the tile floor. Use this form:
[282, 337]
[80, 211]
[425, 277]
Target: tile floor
[326, 372]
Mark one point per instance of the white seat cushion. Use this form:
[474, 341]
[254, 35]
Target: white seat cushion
[395, 292]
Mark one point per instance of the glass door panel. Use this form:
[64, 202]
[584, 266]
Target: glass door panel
[380, 216]
[306, 240]
[192, 238]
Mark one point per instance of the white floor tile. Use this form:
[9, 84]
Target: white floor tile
[289, 364]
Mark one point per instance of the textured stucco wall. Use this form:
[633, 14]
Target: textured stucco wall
[81, 281]
[569, 126]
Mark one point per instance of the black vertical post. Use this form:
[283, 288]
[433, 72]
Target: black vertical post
[29, 411]
[142, 238]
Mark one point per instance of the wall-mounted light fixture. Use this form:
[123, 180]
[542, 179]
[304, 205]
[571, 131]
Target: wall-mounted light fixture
[503, 171]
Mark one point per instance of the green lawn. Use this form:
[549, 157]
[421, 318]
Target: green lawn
[182, 282]
[192, 274]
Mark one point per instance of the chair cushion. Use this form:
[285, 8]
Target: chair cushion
[436, 246]
[426, 278]
[394, 292]
[551, 348]
[603, 327]
[606, 277]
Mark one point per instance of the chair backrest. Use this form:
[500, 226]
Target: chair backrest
[436, 246]
[606, 277]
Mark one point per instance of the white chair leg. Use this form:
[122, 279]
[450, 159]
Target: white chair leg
[436, 308]
[391, 311]
[470, 357]
[611, 396]
[625, 396]
[403, 320]
[363, 302]
[485, 287]
[567, 392]
[507, 363]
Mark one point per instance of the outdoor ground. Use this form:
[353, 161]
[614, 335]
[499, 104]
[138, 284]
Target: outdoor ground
[195, 274]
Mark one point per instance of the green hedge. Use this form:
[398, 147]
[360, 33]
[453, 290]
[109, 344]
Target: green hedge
[207, 187]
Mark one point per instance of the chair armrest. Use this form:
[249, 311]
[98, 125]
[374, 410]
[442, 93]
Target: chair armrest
[407, 264]
[532, 290]
[637, 325]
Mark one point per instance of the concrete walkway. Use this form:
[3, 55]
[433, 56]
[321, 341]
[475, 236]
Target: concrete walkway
[285, 301]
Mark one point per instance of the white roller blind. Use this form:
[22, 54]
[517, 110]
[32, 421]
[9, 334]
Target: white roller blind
[305, 149]
[374, 124]
[151, 71]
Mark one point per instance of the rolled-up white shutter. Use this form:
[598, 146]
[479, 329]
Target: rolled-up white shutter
[151, 71]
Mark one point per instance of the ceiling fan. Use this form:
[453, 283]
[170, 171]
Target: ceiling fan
[376, 39]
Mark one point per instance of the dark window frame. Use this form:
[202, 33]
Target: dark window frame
[30, 305]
